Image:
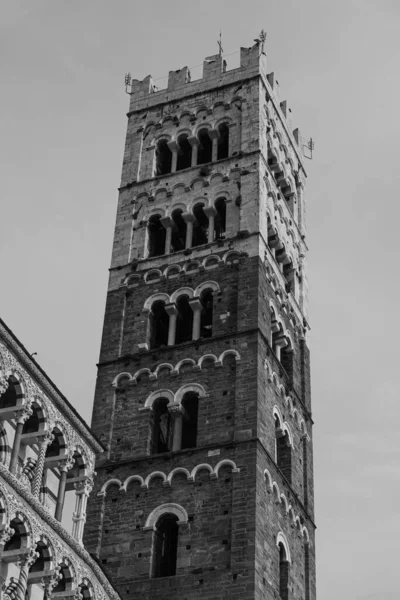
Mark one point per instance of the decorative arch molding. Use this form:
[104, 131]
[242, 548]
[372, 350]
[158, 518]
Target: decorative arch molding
[207, 285]
[281, 539]
[154, 298]
[190, 387]
[168, 508]
[175, 370]
[183, 291]
[167, 479]
[281, 499]
[159, 394]
[294, 413]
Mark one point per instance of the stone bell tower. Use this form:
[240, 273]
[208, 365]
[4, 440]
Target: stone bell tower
[203, 388]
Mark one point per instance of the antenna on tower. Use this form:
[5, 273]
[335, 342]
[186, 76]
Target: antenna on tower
[220, 49]
[310, 147]
[128, 80]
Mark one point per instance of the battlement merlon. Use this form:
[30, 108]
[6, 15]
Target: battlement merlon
[253, 63]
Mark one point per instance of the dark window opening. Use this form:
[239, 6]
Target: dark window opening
[62, 583]
[15, 542]
[32, 424]
[159, 325]
[283, 573]
[190, 403]
[288, 273]
[283, 451]
[200, 226]
[307, 572]
[178, 237]
[162, 430]
[205, 147]
[54, 449]
[40, 563]
[9, 398]
[184, 323]
[287, 361]
[157, 234]
[206, 321]
[184, 153]
[220, 219]
[223, 142]
[163, 158]
[166, 546]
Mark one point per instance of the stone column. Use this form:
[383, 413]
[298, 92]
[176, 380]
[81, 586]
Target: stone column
[194, 142]
[173, 146]
[168, 224]
[64, 466]
[21, 416]
[280, 342]
[176, 411]
[172, 312]
[210, 211]
[25, 562]
[196, 307]
[214, 135]
[83, 489]
[44, 442]
[189, 219]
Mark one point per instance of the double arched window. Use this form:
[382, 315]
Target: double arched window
[175, 423]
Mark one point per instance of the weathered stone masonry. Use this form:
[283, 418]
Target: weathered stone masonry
[203, 389]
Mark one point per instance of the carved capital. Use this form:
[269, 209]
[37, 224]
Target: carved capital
[50, 582]
[85, 486]
[176, 410]
[27, 560]
[66, 464]
[23, 414]
[6, 534]
[3, 385]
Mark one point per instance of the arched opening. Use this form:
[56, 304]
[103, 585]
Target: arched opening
[16, 540]
[162, 427]
[159, 325]
[184, 323]
[166, 546]
[223, 141]
[220, 219]
[178, 237]
[283, 451]
[10, 396]
[307, 571]
[32, 424]
[38, 571]
[287, 361]
[200, 226]
[283, 573]
[206, 319]
[184, 160]
[156, 236]
[163, 158]
[205, 147]
[190, 403]
[13, 549]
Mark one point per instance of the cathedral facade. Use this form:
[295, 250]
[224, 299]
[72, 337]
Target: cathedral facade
[203, 390]
[47, 461]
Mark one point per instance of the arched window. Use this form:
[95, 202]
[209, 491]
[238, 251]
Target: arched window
[184, 324]
[190, 403]
[283, 450]
[200, 226]
[166, 545]
[287, 360]
[159, 324]
[10, 396]
[163, 158]
[162, 427]
[184, 160]
[16, 540]
[220, 219]
[206, 320]
[223, 141]
[283, 572]
[205, 147]
[178, 238]
[156, 236]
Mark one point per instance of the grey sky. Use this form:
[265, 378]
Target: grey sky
[62, 128]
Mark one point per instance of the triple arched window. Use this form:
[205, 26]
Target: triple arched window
[182, 230]
[188, 318]
[187, 151]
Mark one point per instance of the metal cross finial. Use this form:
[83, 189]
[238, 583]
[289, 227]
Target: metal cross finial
[220, 43]
[263, 37]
